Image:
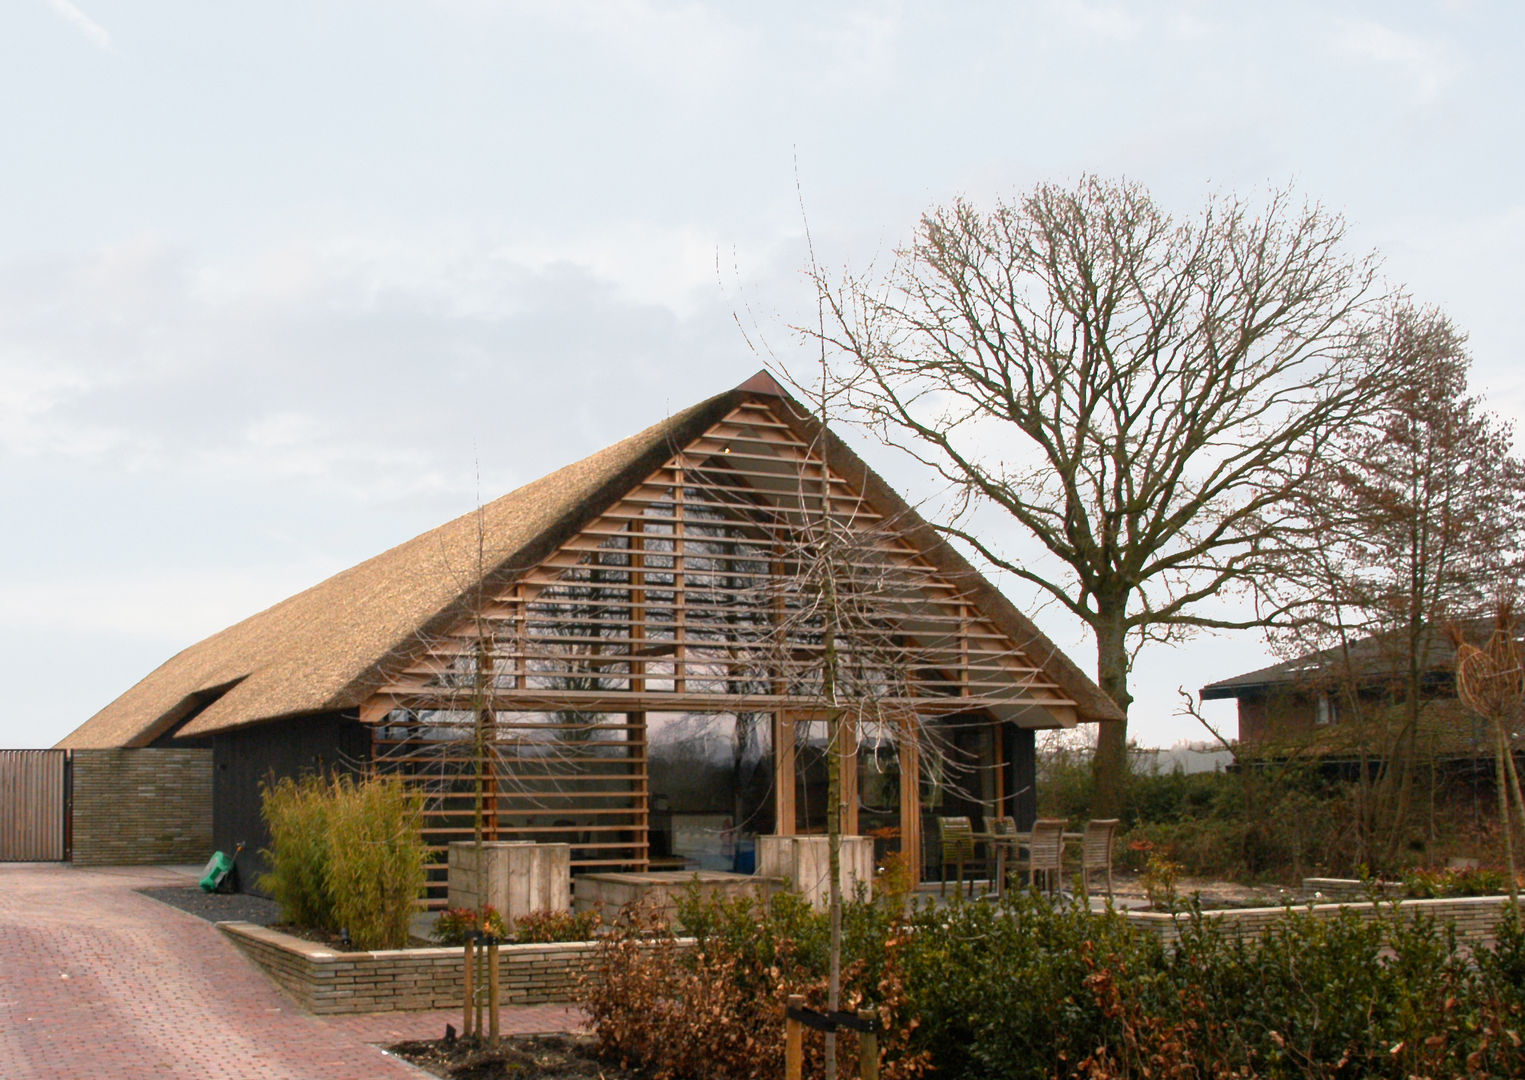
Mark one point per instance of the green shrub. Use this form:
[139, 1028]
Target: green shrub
[1029, 988]
[1000, 990]
[376, 859]
[297, 813]
[345, 855]
[1425, 884]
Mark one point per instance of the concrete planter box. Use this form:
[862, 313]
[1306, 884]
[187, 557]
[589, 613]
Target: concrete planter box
[515, 877]
[804, 860]
[662, 889]
[327, 982]
[1476, 918]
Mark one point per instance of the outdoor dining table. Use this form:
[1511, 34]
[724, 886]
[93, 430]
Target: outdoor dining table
[1002, 841]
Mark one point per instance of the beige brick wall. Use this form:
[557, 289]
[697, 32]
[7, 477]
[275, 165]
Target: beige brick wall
[1476, 918]
[142, 806]
[326, 982]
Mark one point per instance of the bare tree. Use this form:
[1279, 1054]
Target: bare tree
[1134, 390]
[1414, 520]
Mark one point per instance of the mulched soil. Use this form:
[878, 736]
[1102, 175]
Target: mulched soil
[217, 907]
[522, 1057]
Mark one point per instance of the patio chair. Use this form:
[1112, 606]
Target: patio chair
[1096, 851]
[957, 837]
[1005, 851]
[1045, 853]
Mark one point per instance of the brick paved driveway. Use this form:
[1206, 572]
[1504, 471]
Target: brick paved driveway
[100, 983]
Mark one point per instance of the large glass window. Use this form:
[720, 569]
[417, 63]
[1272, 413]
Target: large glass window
[711, 777]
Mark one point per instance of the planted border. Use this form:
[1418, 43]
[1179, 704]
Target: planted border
[327, 982]
[1476, 918]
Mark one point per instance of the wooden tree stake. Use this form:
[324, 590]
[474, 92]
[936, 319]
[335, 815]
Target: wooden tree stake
[794, 1045]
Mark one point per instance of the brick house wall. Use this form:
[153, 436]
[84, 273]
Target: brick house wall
[142, 806]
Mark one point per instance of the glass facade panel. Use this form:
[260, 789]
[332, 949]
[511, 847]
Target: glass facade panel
[711, 777]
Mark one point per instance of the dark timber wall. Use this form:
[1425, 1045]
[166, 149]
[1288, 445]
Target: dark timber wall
[142, 806]
[1022, 775]
[245, 758]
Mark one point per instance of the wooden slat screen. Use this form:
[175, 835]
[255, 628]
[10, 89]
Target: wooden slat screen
[32, 806]
[672, 601]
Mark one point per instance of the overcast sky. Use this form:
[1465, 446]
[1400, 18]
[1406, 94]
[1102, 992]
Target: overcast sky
[278, 281]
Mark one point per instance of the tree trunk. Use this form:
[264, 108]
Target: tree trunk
[1502, 751]
[834, 764]
[1109, 769]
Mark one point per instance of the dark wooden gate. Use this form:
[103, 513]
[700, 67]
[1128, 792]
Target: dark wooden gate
[34, 805]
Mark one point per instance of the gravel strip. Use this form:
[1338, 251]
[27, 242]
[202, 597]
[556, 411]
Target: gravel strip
[217, 907]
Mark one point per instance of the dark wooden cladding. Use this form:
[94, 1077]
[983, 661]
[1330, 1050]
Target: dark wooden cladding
[244, 759]
[672, 601]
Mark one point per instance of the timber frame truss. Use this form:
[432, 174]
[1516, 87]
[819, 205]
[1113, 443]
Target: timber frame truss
[687, 595]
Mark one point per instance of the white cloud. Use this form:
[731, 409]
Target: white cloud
[1115, 21]
[82, 22]
[1429, 66]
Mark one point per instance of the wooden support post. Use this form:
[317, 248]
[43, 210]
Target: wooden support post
[468, 1013]
[679, 588]
[963, 648]
[849, 763]
[492, 994]
[794, 1043]
[868, 1046]
[783, 774]
[910, 795]
[521, 640]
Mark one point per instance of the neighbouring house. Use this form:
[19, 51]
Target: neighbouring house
[1339, 705]
[600, 639]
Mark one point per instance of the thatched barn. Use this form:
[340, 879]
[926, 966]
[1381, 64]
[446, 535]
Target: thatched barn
[627, 655]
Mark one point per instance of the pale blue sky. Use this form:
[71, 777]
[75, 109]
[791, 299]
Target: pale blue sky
[278, 279]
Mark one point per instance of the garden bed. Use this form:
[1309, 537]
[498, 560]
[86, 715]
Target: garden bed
[522, 1057]
[326, 981]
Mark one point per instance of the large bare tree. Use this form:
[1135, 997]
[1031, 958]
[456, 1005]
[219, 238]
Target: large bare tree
[1134, 389]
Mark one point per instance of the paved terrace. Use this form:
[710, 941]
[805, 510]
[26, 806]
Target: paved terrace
[98, 981]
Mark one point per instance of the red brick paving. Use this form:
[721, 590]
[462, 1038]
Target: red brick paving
[99, 982]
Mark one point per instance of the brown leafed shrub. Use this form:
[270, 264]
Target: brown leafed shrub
[549, 927]
[455, 926]
[713, 1006]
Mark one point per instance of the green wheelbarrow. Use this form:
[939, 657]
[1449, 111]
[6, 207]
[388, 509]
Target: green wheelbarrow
[218, 875]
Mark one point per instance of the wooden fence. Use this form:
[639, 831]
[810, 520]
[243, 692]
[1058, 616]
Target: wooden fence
[34, 815]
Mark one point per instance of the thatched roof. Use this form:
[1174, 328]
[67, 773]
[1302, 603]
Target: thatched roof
[325, 649]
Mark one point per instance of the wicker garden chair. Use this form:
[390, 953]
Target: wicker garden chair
[1096, 852]
[1045, 853]
[957, 837]
[1005, 851]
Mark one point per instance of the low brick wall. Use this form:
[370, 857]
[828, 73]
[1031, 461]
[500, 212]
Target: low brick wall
[1476, 917]
[142, 806]
[325, 981]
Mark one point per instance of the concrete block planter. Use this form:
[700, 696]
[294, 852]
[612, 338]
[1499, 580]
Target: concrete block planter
[804, 861]
[515, 877]
[662, 889]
